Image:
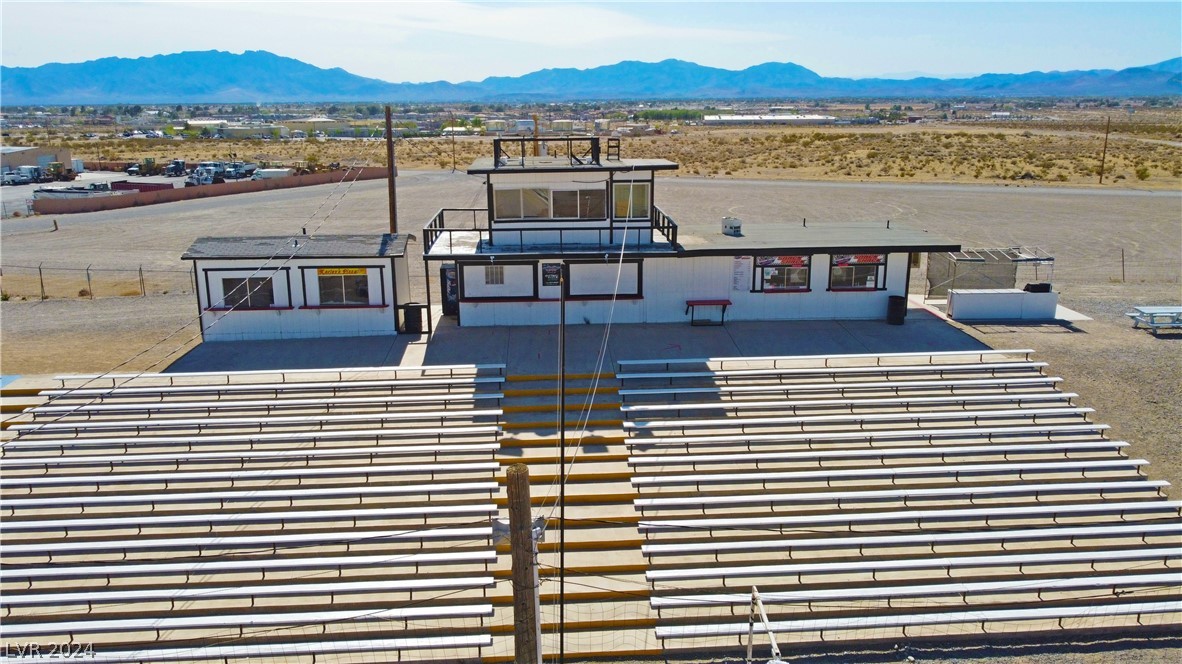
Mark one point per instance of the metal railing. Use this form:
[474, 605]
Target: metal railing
[449, 222]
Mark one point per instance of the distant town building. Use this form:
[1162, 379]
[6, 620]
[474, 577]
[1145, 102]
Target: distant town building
[768, 120]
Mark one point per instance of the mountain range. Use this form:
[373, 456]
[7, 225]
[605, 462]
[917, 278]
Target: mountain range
[263, 77]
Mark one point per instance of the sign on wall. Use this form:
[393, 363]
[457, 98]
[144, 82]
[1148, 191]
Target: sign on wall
[551, 274]
[339, 271]
[741, 273]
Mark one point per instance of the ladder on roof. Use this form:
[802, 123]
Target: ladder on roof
[613, 149]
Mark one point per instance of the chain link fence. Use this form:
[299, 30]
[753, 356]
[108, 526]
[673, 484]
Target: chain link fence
[43, 281]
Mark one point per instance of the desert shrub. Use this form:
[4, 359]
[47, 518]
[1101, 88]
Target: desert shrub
[1142, 173]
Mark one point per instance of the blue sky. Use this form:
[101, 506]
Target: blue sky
[464, 41]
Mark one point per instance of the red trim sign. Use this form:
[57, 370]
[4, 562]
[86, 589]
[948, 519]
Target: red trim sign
[859, 259]
[784, 261]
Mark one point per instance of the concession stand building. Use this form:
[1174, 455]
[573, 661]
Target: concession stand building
[301, 286]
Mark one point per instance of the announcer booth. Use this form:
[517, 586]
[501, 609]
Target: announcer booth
[299, 287]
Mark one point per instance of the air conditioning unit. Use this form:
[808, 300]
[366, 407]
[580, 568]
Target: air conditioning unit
[732, 226]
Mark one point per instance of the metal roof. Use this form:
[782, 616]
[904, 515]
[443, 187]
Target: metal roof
[552, 164]
[822, 237]
[298, 246]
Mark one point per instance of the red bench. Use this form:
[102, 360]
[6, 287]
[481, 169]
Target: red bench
[692, 305]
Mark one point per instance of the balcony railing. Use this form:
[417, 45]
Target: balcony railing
[467, 230]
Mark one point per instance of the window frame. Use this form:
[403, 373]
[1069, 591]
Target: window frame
[504, 200]
[631, 186]
[779, 262]
[245, 304]
[853, 261]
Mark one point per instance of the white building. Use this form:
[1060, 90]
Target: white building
[302, 286]
[579, 226]
[798, 120]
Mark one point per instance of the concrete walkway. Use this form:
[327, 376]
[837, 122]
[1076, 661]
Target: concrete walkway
[534, 349]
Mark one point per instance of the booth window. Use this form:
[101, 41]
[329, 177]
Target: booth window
[541, 203]
[343, 286]
[782, 274]
[494, 275]
[857, 272]
[631, 200]
[248, 293]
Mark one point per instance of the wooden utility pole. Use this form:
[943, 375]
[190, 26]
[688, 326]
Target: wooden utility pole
[1104, 152]
[391, 172]
[527, 629]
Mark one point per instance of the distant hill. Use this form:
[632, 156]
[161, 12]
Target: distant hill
[259, 76]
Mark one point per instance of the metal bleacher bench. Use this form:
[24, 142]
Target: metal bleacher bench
[859, 420]
[203, 423]
[904, 620]
[378, 436]
[287, 649]
[334, 387]
[891, 472]
[715, 546]
[1004, 384]
[451, 370]
[943, 563]
[847, 402]
[777, 360]
[782, 373]
[1157, 318]
[951, 588]
[791, 521]
[986, 433]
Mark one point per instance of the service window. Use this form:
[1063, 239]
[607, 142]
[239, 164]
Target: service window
[782, 274]
[343, 286]
[857, 272]
[248, 293]
[631, 200]
[494, 275]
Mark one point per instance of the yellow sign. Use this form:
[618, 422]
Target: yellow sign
[339, 271]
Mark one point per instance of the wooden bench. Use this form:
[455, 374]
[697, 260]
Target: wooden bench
[200, 568]
[198, 545]
[880, 622]
[213, 593]
[306, 454]
[860, 420]
[234, 477]
[1046, 431]
[1021, 560]
[836, 499]
[715, 546]
[948, 470]
[267, 405]
[833, 372]
[862, 592]
[201, 424]
[896, 386]
[451, 370]
[780, 522]
[826, 360]
[377, 436]
[241, 622]
[851, 403]
[1157, 318]
[878, 454]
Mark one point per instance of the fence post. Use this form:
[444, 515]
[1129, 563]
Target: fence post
[89, 288]
[41, 278]
[143, 290]
[1122, 265]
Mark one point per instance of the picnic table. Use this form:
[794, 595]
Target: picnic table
[1156, 318]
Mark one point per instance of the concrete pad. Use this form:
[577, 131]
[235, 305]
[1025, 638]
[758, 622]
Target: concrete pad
[534, 349]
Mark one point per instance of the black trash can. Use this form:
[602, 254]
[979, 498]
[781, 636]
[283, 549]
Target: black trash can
[1042, 287]
[412, 318]
[896, 309]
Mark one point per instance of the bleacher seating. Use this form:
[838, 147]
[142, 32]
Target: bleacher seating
[176, 517]
[868, 496]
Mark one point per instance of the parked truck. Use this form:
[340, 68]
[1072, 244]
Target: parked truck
[176, 168]
[271, 173]
[32, 174]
